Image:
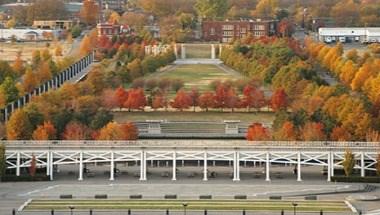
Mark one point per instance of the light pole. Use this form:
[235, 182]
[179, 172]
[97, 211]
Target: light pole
[294, 206]
[71, 207]
[184, 207]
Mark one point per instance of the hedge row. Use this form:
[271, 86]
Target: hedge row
[14, 178]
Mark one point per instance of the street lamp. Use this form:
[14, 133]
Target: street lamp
[184, 207]
[294, 206]
[71, 207]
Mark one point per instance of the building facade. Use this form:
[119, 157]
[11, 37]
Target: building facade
[53, 24]
[108, 29]
[227, 31]
[117, 5]
[343, 35]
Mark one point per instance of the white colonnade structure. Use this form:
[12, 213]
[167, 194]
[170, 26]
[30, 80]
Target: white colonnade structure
[180, 52]
[329, 155]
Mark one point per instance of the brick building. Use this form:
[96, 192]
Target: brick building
[227, 31]
[108, 29]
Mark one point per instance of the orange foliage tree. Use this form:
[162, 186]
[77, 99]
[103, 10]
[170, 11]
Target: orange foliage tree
[340, 134]
[114, 131]
[257, 132]
[121, 96]
[46, 131]
[287, 132]
[89, 12]
[207, 100]
[136, 99]
[76, 131]
[313, 131]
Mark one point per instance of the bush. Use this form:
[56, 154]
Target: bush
[355, 179]
[14, 178]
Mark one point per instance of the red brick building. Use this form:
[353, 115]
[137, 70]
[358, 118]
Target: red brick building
[227, 31]
[108, 29]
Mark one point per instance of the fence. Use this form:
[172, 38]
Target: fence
[68, 74]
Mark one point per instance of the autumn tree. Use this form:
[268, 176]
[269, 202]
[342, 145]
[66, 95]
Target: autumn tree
[45, 131]
[232, 100]
[76, 131]
[265, 8]
[182, 100]
[134, 69]
[257, 132]
[159, 101]
[130, 131]
[136, 99]
[89, 12]
[30, 81]
[121, 96]
[279, 100]
[18, 65]
[253, 98]
[111, 131]
[44, 73]
[194, 95]
[211, 9]
[287, 132]
[58, 51]
[348, 162]
[19, 126]
[340, 134]
[221, 96]
[313, 131]
[285, 28]
[206, 100]
[110, 100]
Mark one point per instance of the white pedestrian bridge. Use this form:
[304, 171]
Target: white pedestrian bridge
[51, 154]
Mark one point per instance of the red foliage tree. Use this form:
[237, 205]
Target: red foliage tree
[194, 95]
[221, 96]
[130, 131]
[279, 100]
[232, 100]
[136, 99]
[76, 131]
[313, 131]
[253, 98]
[257, 132]
[121, 95]
[182, 100]
[206, 100]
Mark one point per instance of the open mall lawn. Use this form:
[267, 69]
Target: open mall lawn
[199, 76]
[212, 205]
[263, 117]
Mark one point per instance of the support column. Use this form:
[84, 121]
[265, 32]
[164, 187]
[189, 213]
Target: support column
[47, 162]
[183, 51]
[220, 50]
[112, 167]
[362, 165]
[236, 167]
[267, 170]
[299, 166]
[175, 51]
[329, 167]
[80, 166]
[51, 168]
[205, 166]
[332, 164]
[18, 164]
[142, 166]
[174, 177]
[212, 51]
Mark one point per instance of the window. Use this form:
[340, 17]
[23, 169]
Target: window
[212, 31]
[259, 27]
[228, 27]
[243, 30]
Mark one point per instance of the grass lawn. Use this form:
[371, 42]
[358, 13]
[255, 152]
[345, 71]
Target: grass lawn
[198, 51]
[262, 117]
[199, 76]
[212, 205]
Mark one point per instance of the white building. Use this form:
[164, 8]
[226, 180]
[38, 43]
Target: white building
[360, 34]
[28, 34]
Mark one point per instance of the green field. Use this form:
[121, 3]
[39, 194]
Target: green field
[212, 205]
[199, 76]
[198, 50]
[262, 117]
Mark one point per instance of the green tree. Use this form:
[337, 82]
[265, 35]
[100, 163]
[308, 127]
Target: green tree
[10, 89]
[348, 162]
[211, 9]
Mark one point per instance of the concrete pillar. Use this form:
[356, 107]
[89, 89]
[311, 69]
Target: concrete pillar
[205, 166]
[47, 163]
[142, 166]
[51, 168]
[220, 50]
[329, 167]
[12, 107]
[183, 51]
[80, 166]
[332, 164]
[212, 51]
[18, 164]
[267, 170]
[175, 51]
[112, 167]
[362, 165]
[299, 166]
[236, 166]
[174, 177]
